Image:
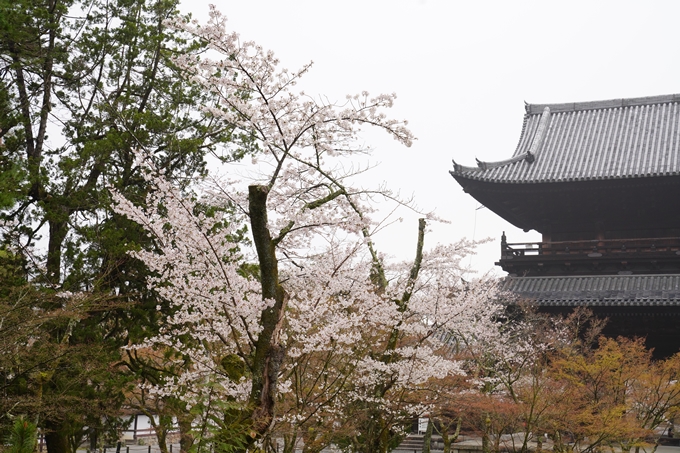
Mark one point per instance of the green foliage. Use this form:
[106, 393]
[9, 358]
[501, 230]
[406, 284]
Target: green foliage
[226, 428]
[23, 436]
[100, 75]
[234, 367]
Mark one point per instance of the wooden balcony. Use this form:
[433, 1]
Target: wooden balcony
[592, 257]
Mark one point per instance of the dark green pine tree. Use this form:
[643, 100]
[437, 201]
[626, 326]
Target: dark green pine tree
[83, 84]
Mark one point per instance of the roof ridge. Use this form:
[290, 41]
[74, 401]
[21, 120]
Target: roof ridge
[533, 109]
[588, 277]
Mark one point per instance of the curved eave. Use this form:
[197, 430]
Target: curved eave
[577, 205]
[489, 195]
[477, 174]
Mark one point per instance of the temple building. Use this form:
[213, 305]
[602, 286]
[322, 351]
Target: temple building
[601, 182]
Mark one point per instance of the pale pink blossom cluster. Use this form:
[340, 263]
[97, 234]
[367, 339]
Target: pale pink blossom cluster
[506, 357]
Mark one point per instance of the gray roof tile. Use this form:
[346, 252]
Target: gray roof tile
[621, 138]
[597, 290]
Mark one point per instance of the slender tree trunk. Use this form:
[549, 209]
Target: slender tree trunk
[384, 438]
[269, 353]
[289, 442]
[427, 440]
[557, 443]
[447, 441]
[485, 436]
[186, 438]
[450, 439]
[161, 429]
[92, 438]
[380, 431]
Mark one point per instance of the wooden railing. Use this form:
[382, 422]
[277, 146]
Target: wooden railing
[592, 248]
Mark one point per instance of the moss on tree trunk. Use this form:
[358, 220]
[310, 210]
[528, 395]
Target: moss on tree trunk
[268, 354]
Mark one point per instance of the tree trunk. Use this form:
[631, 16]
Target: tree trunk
[378, 432]
[186, 438]
[485, 436]
[58, 230]
[289, 442]
[56, 437]
[448, 440]
[92, 435]
[383, 438]
[427, 440]
[269, 353]
[161, 429]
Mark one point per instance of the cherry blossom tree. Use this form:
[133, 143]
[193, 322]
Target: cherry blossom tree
[272, 267]
[562, 379]
[508, 389]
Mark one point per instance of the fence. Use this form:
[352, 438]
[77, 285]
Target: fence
[140, 449]
[172, 448]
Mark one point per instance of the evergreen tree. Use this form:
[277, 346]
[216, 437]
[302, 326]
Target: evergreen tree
[82, 85]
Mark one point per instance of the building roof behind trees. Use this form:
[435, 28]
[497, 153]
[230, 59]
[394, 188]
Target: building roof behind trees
[621, 138]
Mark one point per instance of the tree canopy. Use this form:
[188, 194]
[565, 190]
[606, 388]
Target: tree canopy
[82, 85]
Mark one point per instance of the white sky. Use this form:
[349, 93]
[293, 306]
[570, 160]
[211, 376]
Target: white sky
[462, 71]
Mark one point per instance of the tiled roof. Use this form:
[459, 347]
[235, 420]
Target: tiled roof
[620, 138]
[597, 290]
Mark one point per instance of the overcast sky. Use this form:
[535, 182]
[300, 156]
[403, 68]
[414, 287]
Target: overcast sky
[462, 72]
